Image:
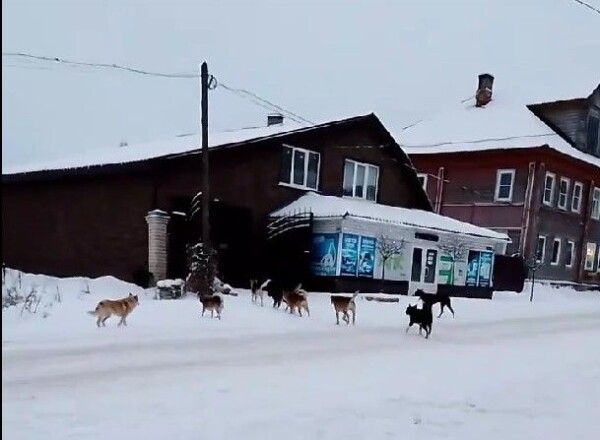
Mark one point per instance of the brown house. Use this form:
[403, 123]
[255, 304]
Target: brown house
[531, 171]
[124, 212]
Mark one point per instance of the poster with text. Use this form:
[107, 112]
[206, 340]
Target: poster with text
[446, 271]
[349, 255]
[366, 257]
[323, 258]
[472, 268]
[485, 268]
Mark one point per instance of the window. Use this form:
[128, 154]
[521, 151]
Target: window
[360, 180]
[422, 180]
[590, 253]
[540, 251]
[549, 189]
[504, 185]
[576, 198]
[299, 167]
[593, 134]
[555, 252]
[570, 253]
[563, 192]
[596, 204]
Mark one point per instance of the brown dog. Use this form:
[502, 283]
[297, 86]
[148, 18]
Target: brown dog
[120, 307]
[214, 303]
[344, 304]
[296, 299]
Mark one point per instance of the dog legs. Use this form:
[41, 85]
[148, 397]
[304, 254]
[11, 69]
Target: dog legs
[452, 310]
[306, 308]
[441, 310]
[337, 318]
[99, 320]
[427, 331]
[408, 327]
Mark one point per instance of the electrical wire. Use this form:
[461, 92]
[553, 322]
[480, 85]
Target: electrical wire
[243, 93]
[587, 5]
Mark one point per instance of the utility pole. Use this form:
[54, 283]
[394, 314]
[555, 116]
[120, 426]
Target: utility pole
[205, 178]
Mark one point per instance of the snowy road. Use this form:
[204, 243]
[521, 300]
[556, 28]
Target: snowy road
[500, 369]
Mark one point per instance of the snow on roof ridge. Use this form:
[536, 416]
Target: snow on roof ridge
[486, 128]
[180, 144]
[333, 206]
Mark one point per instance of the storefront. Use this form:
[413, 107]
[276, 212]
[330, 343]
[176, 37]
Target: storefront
[366, 246]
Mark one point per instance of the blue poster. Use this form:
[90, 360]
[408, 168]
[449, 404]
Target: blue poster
[323, 257]
[472, 269]
[485, 268]
[349, 255]
[366, 257]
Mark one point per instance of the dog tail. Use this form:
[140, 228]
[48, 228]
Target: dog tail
[92, 312]
[355, 295]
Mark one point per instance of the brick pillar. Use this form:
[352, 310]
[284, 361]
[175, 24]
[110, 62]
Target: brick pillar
[157, 243]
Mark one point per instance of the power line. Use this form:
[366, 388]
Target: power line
[587, 5]
[478, 141]
[243, 93]
[98, 65]
[267, 102]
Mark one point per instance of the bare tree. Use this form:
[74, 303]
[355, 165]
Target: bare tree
[454, 248]
[387, 247]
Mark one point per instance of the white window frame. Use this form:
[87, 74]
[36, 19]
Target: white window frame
[557, 262]
[586, 267]
[306, 156]
[499, 174]
[564, 205]
[551, 201]
[424, 177]
[571, 244]
[578, 208]
[595, 213]
[543, 237]
[367, 166]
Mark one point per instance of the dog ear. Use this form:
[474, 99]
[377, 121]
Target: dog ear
[130, 294]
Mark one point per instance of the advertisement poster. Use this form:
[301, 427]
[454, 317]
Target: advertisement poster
[366, 260]
[472, 269]
[323, 258]
[485, 268]
[349, 255]
[446, 272]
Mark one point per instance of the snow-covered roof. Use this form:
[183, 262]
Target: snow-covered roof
[331, 206]
[504, 123]
[152, 150]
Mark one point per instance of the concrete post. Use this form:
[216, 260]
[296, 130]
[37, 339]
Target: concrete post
[157, 243]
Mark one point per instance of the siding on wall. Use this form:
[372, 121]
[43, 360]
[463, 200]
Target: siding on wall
[468, 196]
[94, 223]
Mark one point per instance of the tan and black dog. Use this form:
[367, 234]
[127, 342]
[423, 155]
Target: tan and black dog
[296, 300]
[119, 307]
[344, 304]
[214, 303]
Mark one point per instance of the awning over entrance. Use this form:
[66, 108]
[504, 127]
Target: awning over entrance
[330, 206]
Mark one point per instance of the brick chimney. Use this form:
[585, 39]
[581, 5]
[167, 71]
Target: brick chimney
[484, 90]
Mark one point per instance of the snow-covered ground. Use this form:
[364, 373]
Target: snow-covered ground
[501, 369]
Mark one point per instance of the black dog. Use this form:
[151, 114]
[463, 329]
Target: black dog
[430, 299]
[423, 317]
[275, 291]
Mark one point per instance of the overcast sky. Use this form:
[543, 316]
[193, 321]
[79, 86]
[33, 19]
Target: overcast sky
[321, 59]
